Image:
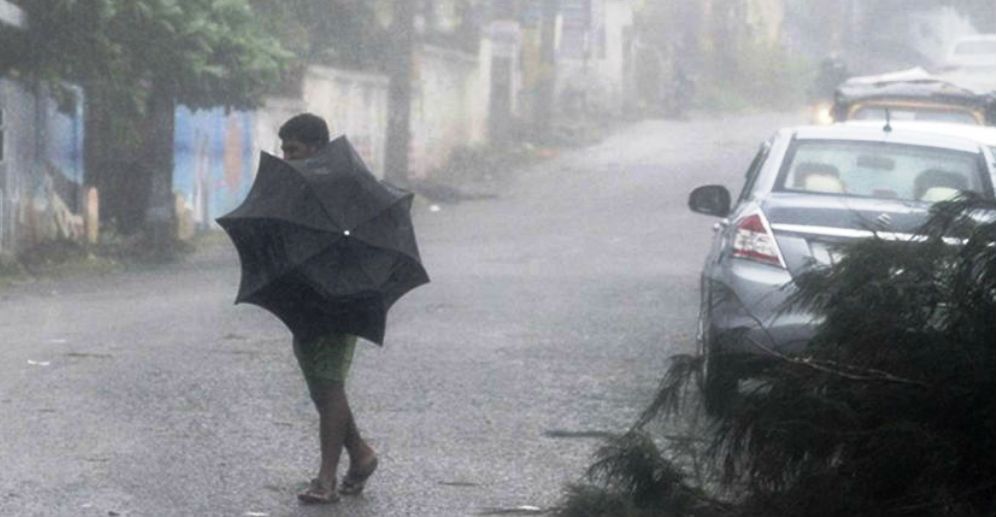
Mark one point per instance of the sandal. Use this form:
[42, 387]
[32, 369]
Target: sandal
[355, 481]
[318, 494]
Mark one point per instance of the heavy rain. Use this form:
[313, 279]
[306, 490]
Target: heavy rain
[578, 258]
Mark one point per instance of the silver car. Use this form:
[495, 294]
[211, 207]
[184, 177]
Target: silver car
[808, 190]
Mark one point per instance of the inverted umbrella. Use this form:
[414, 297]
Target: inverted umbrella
[324, 245]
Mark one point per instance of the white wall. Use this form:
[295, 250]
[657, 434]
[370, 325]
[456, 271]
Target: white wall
[450, 98]
[274, 112]
[450, 103]
[354, 104]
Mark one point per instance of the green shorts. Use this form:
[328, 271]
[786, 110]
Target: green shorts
[327, 358]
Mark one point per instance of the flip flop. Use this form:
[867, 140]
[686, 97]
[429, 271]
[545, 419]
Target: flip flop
[354, 482]
[318, 494]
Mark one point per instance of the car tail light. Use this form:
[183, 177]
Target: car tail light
[753, 240]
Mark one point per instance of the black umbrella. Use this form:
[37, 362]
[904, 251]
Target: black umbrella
[324, 245]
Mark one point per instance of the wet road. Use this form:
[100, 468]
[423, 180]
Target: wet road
[553, 310]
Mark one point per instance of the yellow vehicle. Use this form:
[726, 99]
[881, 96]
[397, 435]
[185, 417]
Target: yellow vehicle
[912, 95]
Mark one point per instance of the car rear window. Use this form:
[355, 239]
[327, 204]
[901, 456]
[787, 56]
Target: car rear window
[921, 114]
[881, 170]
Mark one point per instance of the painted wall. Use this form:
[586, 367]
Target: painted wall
[215, 159]
[41, 171]
[19, 155]
[217, 152]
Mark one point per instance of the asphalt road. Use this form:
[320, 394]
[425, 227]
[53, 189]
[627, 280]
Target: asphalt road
[552, 312]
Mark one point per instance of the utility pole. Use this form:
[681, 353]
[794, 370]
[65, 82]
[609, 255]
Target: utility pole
[400, 92]
[547, 83]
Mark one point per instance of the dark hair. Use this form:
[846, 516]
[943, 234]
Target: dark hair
[307, 128]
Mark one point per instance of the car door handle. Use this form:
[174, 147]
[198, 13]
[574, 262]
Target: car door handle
[720, 225]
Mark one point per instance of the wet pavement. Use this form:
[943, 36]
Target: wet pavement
[550, 318]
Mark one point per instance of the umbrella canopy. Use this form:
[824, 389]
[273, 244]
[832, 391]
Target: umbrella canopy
[324, 245]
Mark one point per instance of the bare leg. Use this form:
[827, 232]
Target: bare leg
[329, 399]
[337, 430]
[333, 427]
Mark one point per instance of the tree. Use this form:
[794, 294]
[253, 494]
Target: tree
[889, 411]
[342, 33]
[136, 60]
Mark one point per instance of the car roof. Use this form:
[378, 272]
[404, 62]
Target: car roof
[901, 133]
[985, 135]
[897, 87]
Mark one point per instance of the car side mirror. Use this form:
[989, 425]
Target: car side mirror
[710, 200]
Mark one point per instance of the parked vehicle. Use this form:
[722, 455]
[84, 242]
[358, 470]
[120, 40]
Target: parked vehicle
[807, 191]
[974, 51]
[912, 94]
[984, 135]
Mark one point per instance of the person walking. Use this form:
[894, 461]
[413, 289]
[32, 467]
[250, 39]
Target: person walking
[325, 362]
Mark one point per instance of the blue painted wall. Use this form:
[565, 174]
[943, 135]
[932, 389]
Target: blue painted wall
[63, 137]
[214, 160]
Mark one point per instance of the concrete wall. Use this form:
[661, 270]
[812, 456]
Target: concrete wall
[450, 101]
[353, 104]
[270, 117]
[41, 170]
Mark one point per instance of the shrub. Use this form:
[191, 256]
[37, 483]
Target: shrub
[889, 411]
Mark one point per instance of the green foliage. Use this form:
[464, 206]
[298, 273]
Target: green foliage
[346, 33]
[11, 270]
[733, 66]
[136, 60]
[200, 52]
[633, 477]
[768, 77]
[592, 501]
[893, 404]
[889, 411]
[53, 259]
